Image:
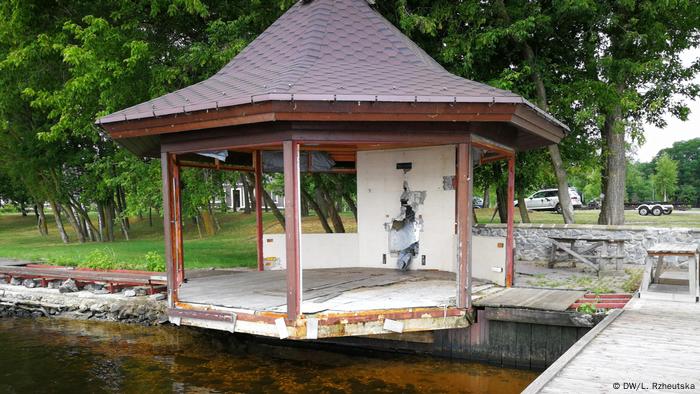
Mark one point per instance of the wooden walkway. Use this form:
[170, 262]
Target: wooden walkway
[648, 342]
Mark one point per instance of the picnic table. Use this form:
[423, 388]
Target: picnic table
[653, 272]
[595, 252]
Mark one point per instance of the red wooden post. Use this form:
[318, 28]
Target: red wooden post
[464, 224]
[509, 226]
[176, 212]
[166, 165]
[258, 206]
[292, 227]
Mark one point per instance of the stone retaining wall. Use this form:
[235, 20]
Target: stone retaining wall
[532, 240]
[22, 301]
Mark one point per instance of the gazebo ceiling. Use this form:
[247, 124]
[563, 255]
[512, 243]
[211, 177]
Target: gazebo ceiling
[317, 56]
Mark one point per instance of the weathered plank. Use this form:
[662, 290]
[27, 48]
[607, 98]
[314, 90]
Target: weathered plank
[523, 344]
[508, 345]
[650, 341]
[568, 319]
[531, 298]
[671, 248]
[538, 353]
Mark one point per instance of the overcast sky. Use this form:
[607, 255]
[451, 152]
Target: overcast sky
[676, 130]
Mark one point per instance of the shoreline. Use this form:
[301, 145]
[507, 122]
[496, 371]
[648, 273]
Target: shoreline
[21, 301]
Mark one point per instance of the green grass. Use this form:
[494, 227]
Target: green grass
[675, 219]
[233, 246]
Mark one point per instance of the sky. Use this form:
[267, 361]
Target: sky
[675, 130]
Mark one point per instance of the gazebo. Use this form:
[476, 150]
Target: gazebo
[332, 86]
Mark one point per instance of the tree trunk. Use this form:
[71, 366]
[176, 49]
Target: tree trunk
[150, 217]
[324, 200]
[121, 215]
[217, 225]
[73, 220]
[567, 208]
[84, 216]
[613, 207]
[487, 196]
[523, 208]
[121, 207]
[208, 222]
[199, 227]
[101, 221]
[275, 210]
[554, 154]
[319, 212]
[246, 194]
[23, 209]
[109, 216]
[59, 222]
[502, 202]
[304, 205]
[351, 203]
[124, 226]
[41, 219]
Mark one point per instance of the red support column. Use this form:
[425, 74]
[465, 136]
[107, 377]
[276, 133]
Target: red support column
[509, 227]
[258, 206]
[464, 224]
[292, 227]
[166, 164]
[178, 252]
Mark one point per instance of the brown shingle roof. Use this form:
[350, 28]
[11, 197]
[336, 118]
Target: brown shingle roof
[325, 50]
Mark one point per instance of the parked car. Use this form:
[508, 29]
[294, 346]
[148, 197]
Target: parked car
[548, 200]
[654, 208]
[478, 202]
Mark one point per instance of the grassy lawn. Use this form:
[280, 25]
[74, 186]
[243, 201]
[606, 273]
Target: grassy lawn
[233, 246]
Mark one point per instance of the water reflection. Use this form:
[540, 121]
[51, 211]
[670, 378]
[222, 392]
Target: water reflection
[72, 356]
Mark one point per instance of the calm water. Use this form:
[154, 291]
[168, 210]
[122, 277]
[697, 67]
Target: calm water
[71, 356]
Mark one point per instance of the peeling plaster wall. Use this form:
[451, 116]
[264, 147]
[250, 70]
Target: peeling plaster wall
[379, 187]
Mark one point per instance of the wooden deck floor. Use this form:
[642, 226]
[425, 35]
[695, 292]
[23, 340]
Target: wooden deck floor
[648, 342]
[337, 290]
[531, 298]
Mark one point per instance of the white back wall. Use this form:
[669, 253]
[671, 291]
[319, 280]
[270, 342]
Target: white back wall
[317, 250]
[379, 187]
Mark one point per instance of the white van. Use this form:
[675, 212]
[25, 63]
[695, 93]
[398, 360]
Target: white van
[548, 200]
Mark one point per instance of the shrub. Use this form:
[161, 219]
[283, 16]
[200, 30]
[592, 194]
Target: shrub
[154, 261]
[634, 280]
[586, 308]
[101, 259]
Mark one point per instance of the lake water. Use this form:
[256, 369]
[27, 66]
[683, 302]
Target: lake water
[62, 356]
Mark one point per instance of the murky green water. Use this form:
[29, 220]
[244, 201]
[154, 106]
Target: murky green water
[62, 356]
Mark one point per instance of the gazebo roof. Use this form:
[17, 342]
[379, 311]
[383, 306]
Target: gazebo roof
[332, 51]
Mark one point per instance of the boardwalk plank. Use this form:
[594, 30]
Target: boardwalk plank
[651, 341]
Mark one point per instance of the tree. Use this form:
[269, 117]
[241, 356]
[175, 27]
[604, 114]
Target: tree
[666, 180]
[687, 155]
[638, 183]
[62, 65]
[638, 74]
[602, 67]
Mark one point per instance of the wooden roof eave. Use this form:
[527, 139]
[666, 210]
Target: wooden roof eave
[519, 114]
